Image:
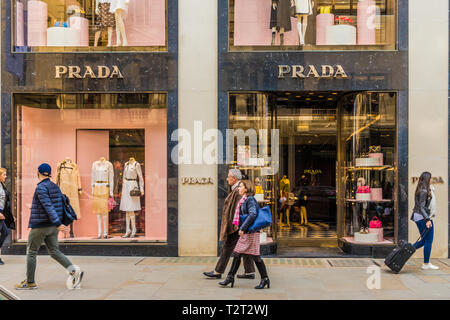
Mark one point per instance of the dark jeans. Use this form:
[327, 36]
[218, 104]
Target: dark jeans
[49, 236]
[4, 232]
[427, 241]
[225, 254]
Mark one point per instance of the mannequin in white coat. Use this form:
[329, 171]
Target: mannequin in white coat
[132, 178]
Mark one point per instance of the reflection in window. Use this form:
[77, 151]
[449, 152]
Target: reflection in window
[312, 25]
[100, 24]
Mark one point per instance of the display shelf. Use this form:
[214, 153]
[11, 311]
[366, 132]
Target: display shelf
[382, 201]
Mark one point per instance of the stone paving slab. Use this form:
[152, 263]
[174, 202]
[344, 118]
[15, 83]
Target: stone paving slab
[180, 278]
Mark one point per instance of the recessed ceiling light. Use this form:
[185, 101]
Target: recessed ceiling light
[308, 99]
[334, 93]
[311, 93]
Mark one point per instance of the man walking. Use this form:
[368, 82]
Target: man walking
[229, 231]
[45, 223]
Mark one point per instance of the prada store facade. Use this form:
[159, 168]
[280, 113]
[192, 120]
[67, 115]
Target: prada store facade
[98, 106]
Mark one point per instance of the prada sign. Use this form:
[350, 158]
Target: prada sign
[76, 72]
[324, 72]
[196, 180]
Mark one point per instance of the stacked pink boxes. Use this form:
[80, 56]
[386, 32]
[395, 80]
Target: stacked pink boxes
[37, 23]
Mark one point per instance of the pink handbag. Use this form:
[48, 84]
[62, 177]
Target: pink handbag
[375, 223]
[363, 189]
[111, 203]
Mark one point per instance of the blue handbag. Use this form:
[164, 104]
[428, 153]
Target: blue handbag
[263, 219]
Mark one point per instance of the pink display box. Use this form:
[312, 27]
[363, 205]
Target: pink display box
[366, 18]
[323, 21]
[379, 231]
[19, 39]
[81, 24]
[376, 194]
[37, 23]
[378, 156]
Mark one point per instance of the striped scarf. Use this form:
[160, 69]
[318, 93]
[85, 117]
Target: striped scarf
[237, 211]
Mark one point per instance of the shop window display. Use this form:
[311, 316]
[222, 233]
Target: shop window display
[89, 25]
[368, 139]
[312, 25]
[110, 156]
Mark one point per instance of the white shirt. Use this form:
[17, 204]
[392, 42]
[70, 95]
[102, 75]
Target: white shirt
[2, 198]
[235, 185]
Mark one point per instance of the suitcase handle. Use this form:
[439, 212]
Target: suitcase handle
[423, 234]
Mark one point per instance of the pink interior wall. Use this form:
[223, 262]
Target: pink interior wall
[50, 136]
[145, 24]
[90, 146]
[252, 24]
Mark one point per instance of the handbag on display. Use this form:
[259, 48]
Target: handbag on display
[136, 191]
[263, 219]
[69, 214]
[375, 223]
[293, 11]
[111, 203]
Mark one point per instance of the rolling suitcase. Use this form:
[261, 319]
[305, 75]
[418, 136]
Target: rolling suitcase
[401, 254]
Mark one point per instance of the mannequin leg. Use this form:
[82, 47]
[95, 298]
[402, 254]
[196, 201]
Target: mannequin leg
[71, 230]
[133, 224]
[274, 33]
[97, 37]
[99, 224]
[281, 36]
[287, 217]
[110, 32]
[127, 223]
[105, 226]
[301, 40]
[120, 29]
[304, 25]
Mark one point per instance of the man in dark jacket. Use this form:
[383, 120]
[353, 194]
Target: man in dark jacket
[229, 231]
[45, 223]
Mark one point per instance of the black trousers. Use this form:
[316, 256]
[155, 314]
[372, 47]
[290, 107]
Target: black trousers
[4, 232]
[258, 262]
[226, 252]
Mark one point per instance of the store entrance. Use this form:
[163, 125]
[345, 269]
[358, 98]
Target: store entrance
[306, 182]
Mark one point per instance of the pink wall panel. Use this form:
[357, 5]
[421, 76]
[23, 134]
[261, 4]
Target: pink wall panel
[50, 136]
[91, 145]
[252, 22]
[145, 23]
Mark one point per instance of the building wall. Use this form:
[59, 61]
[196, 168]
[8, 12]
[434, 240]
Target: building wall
[428, 110]
[197, 102]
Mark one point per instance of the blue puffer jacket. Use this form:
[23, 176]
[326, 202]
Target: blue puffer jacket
[47, 207]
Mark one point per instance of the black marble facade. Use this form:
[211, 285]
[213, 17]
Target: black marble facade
[142, 71]
[368, 70]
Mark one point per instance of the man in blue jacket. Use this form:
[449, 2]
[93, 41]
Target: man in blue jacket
[45, 223]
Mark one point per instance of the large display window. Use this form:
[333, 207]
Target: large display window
[108, 154]
[332, 172]
[312, 25]
[89, 25]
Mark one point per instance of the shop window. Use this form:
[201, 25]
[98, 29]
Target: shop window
[108, 154]
[311, 25]
[369, 167]
[90, 25]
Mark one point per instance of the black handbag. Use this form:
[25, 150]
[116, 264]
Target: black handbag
[136, 191]
[69, 214]
[293, 11]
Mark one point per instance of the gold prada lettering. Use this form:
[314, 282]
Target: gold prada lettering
[76, 72]
[196, 180]
[311, 71]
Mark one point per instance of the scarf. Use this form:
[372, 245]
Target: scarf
[237, 211]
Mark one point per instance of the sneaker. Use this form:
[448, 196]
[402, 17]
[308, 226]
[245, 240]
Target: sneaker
[429, 266]
[24, 285]
[74, 279]
[1, 262]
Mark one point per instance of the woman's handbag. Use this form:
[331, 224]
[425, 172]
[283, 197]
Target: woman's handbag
[263, 219]
[111, 203]
[375, 223]
[136, 191]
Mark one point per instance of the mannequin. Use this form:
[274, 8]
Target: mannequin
[362, 210]
[105, 18]
[68, 179]
[132, 178]
[280, 19]
[120, 10]
[102, 187]
[285, 189]
[303, 9]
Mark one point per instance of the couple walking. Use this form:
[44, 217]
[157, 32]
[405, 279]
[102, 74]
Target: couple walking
[238, 240]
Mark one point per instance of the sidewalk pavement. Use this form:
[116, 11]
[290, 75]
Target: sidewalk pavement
[181, 278]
